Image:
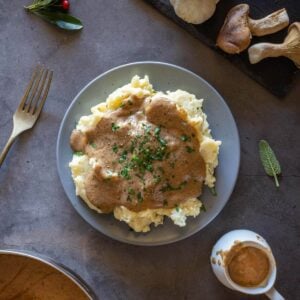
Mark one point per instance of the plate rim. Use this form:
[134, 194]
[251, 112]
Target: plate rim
[169, 65]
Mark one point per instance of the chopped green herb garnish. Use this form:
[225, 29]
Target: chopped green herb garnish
[114, 127]
[189, 149]
[125, 173]
[131, 191]
[139, 197]
[157, 179]
[169, 187]
[115, 148]
[93, 145]
[123, 156]
[185, 138]
[157, 131]
[177, 208]
[78, 153]
[213, 191]
[149, 167]
[203, 208]
[147, 128]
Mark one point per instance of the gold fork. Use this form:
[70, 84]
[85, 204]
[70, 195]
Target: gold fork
[30, 106]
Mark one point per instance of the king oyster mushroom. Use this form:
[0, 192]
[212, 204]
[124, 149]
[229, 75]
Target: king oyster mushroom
[290, 47]
[238, 28]
[194, 11]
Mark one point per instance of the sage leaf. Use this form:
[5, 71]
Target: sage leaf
[62, 20]
[269, 160]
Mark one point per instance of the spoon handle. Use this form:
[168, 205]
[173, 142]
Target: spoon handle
[274, 295]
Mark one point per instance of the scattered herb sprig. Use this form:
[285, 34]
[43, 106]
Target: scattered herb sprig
[269, 160]
[56, 13]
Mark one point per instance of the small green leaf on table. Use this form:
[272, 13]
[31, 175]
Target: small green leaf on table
[269, 161]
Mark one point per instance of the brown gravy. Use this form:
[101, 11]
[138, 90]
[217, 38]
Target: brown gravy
[147, 156]
[247, 266]
[24, 278]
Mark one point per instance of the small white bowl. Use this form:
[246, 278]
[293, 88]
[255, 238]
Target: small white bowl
[248, 238]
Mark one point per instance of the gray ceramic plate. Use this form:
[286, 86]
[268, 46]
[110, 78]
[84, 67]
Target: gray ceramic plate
[163, 77]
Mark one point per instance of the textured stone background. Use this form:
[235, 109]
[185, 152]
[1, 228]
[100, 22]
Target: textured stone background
[36, 215]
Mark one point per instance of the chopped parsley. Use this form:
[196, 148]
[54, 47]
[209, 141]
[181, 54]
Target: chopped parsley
[125, 173]
[131, 191]
[78, 153]
[147, 128]
[168, 187]
[177, 208]
[93, 145]
[114, 127]
[157, 131]
[142, 153]
[115, 148]
[184, 138]
[157, 178]
[189, 149]
[203, 208]
[139, 197]
[213, 191]
[123, 156]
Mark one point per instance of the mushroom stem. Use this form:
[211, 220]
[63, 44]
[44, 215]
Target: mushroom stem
[261, 51]
[290, 47]
[270, 24]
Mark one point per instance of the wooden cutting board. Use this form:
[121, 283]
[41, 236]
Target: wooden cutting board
[275, 74]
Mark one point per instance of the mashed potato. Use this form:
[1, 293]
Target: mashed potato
[209, 149]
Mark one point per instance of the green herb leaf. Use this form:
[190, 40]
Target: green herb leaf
[203, 208]
[114, 127]
[213, 191]
[189, 149]
[139, 197]
[184, 138]
[61, 20]
[115, 148]
[78, 153]
[92, 144]
[131, 191]
[269, 160]
[125, 173]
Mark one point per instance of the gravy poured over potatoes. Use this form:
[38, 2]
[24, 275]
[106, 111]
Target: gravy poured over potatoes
[143, 155]
[146, 156]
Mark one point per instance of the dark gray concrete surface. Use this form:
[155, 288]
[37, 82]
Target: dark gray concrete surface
[36, 215]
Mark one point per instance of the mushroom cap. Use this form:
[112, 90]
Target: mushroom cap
[290, 48]
[194, 11]
[292, 43]
[235, 35]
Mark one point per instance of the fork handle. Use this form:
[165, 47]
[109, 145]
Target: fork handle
[7, 147]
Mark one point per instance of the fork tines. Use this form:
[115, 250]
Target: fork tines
[36, 91]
